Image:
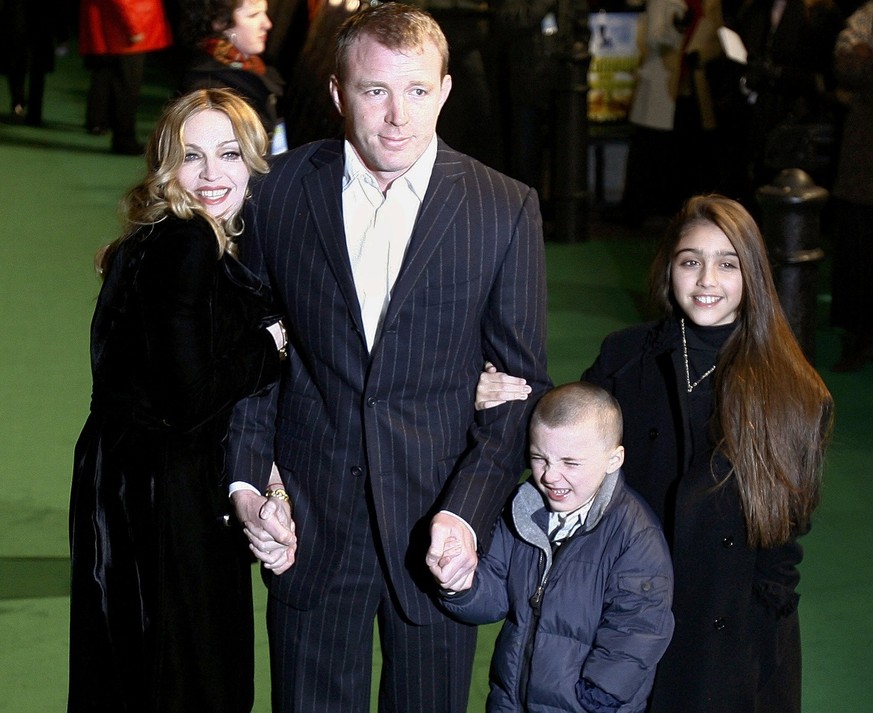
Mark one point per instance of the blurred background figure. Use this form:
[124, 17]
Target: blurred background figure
[673, 148]
[467, 121]
[787, 85]
[28, 53]
[227, 39]
[852, 302]
[290, 20]
[114, 36]
[522, 71]
[309, 112]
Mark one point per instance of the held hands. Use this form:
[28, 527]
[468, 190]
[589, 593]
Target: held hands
[451, 557]
[268, 524]
[495, 388]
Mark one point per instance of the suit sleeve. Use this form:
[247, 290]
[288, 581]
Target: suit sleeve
[252, 428]
[195, 376]
[513, 336]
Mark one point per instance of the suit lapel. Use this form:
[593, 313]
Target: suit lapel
[445, 193]
[323, 194]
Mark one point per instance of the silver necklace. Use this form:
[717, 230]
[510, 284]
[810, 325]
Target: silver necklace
[685, 355]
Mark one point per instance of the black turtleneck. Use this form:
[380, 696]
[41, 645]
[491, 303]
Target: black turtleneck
[704, 345]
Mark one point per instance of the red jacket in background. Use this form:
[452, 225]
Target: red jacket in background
[106, 26]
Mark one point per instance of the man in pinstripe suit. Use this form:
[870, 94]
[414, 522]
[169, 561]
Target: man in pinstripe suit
[400, 266]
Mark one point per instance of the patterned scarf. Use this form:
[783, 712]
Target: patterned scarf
[223, 51]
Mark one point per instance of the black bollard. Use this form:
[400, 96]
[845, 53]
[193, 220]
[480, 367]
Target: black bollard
[569, 189]
[791, 206]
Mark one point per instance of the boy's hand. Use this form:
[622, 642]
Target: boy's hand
[451, 556]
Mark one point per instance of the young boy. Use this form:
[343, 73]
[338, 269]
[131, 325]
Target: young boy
[579, 568]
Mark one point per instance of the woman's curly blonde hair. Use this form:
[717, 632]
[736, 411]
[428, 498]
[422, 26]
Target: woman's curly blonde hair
[160, 194]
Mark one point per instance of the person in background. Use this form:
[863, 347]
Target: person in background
[228, 38]
[852, 305]
[160, 606]
[673, 147]
[578, 568]
[307, 67]
[787, 82]
[726, 425]
[396, 261]
[28, 54]
[114, 37]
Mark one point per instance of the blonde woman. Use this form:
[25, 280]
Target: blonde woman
[161, 610]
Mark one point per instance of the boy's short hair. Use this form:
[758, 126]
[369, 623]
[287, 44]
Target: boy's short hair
[572, 403]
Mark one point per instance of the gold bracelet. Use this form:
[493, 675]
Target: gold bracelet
[278, 493]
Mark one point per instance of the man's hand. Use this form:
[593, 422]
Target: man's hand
[451, 556]
[268, 524]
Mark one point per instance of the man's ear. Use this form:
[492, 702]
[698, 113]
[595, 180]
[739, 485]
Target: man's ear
[445, 89]
[336, 93]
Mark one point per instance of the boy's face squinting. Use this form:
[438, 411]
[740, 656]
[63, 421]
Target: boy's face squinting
[570, 462]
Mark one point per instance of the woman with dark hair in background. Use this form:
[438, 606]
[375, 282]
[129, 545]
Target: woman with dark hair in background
[227, 38]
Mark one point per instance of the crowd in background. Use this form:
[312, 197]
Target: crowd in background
[700, 121]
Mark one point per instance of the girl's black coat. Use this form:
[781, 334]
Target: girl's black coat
[736, 645]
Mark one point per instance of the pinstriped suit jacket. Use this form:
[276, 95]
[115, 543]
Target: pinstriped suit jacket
[471, 287]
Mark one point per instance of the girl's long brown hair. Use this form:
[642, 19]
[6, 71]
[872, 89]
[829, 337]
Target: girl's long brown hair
[773, 413]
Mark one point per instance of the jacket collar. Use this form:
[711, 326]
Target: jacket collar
[530, 515]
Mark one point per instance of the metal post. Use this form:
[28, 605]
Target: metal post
[791, 225]
[569, 181]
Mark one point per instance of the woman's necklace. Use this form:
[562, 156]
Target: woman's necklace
[685, 355]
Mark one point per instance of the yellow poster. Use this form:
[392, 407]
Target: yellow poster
[614, 61]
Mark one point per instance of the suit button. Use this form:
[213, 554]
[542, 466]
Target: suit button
[653, 434]
[719, 624]
[728, 541]
[357, 471]
[371, 401]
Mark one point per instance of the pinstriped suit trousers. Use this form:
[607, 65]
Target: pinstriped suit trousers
[321, 659]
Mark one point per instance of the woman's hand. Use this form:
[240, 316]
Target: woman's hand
[495, 388]
[270, 529]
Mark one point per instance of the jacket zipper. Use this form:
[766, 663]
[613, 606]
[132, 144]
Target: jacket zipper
[536, 601]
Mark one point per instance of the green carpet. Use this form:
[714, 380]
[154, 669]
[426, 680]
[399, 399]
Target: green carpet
[58, 190]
